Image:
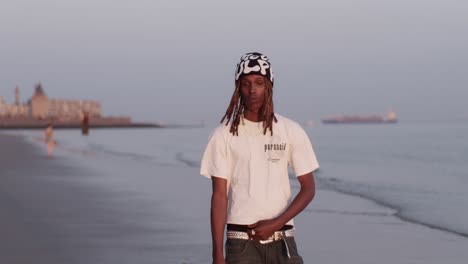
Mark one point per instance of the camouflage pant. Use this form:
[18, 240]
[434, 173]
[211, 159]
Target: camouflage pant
[239, 251]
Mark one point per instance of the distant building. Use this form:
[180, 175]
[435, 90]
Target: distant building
[39, 103]
[40, 106]
[73, 109]
[2, 107]
[17, 96]
[17, 110]
[12, 110]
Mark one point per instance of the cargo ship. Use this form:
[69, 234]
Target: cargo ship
[359, 119]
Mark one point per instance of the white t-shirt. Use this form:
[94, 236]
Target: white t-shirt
[256, 167]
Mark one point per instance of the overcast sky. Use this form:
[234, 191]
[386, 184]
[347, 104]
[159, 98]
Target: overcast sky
[174, 61]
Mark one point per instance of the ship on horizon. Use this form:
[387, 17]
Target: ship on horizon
[391, 118]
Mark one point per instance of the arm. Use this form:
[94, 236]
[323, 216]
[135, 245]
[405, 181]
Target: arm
[218, 217]
[265, 228]
[302, 199]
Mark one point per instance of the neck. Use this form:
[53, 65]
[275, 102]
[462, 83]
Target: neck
[252, 115]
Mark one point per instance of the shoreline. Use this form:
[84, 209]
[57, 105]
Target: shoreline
[338, 227]
[379, 202]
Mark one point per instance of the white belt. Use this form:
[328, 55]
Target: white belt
[278, 235]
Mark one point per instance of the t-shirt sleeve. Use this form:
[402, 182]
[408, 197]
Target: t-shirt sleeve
[214, 161]
[301, 155]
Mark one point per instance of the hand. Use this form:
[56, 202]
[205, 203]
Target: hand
[219, 261]
[263, 229]
[218, 258]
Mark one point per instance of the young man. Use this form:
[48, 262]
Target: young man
[247, 159]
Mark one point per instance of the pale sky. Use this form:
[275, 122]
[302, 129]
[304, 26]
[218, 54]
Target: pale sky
[173, 61]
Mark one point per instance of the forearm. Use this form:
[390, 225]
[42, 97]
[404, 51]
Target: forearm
[300, 202]
[218, 222]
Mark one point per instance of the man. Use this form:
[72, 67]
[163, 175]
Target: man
[247, 159]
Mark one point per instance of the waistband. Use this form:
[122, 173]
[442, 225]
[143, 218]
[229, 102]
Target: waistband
[278, 235]
[245, 228]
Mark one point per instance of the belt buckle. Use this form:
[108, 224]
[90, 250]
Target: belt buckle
[278, 235]
[269, 240]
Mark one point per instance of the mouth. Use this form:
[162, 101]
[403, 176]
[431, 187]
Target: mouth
[253, 102]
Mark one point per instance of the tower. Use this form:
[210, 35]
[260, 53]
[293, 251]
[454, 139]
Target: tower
[17, 95]
[39, 103]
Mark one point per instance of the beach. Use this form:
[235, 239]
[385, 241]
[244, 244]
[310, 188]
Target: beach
[103, 199]
[60, 213]
[26, 238]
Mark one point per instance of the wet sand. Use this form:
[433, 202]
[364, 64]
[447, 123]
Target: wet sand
[26, 237]
[53, 213]
[56, 212]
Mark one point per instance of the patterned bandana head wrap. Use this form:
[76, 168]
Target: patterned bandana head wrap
[254, 63]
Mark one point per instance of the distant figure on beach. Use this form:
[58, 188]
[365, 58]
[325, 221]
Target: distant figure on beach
[247, 160]
[85, 123]
[49, 139]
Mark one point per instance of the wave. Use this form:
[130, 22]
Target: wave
[377, 192]
[191, 163]
[363, 213]
[403, 209]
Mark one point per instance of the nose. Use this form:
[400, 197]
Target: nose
[252, 89]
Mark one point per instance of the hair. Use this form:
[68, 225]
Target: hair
[235, 110]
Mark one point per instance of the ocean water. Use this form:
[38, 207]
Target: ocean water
[419, 170]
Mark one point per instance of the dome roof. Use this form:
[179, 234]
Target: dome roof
[39, 92]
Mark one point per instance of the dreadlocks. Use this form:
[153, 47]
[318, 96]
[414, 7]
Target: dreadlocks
[235, 110]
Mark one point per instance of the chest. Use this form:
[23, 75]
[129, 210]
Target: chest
[259, 148]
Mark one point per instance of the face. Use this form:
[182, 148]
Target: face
[252, 88]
